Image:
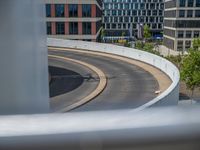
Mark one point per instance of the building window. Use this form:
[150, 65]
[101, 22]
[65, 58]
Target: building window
[180, 34]
[128, 12]
[188, 34]
[126, 6]
[60, 28]
[154, 26]
[134, 12]
[86, 27]
[154, 12]
[48, 10]
[187, 44]
[73, 10]
[115, 19]
[119, 26]
[126, 19]
[113, 26]
[161, 19]
[49, 28]
[151, 19]
[124, 26]
[114, 12]
[182, 3]
[152, 6]
[190, 3]
[190, 13]
[108, 26]
[142, 6]
[86, 10]
[197, 3]
[197, 13]
[136, 19]
[60, 9]
[160, 12]
[160, 26]
[120, 19]
[162, 6]
[106, 19]
[119, 12]
[180, 46]
[196, 34]
[136, 5]
[182, 13]
[73, 28]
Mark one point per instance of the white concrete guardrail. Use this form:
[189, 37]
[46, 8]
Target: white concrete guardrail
[167, 98]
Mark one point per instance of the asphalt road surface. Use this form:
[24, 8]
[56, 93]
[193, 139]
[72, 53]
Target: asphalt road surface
[128, 86]
[63, 81]
[69, 83]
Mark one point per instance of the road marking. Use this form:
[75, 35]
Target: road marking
[101, 86]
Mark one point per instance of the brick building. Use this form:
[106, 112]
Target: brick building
[74, 19]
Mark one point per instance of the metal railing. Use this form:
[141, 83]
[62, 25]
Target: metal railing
[151, 129]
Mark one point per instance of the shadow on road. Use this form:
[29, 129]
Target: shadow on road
[64, 80]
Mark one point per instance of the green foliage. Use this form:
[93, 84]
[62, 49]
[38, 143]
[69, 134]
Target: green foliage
[127, 44]
[147, 33]
[177, 60]
[190, 72]
[123, 34]
[139, 45]
[196, 44]
[148, 47]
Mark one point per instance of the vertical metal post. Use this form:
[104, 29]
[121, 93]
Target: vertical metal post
[23, 58]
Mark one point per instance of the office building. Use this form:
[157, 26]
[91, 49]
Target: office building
[181, 23]
[127, 16]
[74, 19]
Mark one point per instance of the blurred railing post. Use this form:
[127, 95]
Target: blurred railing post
[23, 59]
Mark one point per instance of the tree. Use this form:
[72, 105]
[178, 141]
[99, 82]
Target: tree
[177, 60]
[196, 44]
[139, 45]
[123, 38]
[147, 33]
[123, 34]
[190, 72]
[148, 47]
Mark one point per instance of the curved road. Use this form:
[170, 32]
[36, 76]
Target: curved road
[69, 83]
[128, 86]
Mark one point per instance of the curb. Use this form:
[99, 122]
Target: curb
[101, 86]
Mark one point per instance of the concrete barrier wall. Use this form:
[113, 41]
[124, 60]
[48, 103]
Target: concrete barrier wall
[167, 98]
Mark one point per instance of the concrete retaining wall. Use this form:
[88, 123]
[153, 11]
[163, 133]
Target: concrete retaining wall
[167, 98]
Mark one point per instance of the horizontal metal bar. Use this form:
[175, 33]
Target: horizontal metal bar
[160, 128]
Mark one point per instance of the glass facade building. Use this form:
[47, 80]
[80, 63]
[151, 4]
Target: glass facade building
[122, 15]
[181, 23]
